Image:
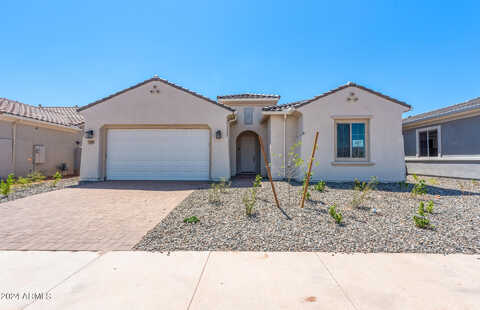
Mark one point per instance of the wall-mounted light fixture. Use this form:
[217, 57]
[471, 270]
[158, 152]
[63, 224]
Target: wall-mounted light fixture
[89, 134]
[218, 134]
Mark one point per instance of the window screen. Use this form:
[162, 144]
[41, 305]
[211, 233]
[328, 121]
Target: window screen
[343, 140]
[358, 140]
[351, 141]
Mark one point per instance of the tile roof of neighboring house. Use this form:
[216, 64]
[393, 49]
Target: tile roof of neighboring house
[71, 112]
[156, 78]
[249, 96]
[456, 108]
[65, 116]
[298, 104]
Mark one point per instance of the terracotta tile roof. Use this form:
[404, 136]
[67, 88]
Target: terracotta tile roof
[156, 78]
[249, 96]
[456, 108]
[71, 112]
[65, 116]
[298, 104]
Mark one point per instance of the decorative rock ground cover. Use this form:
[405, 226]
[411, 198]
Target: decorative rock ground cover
[224, 226]
[21, 191]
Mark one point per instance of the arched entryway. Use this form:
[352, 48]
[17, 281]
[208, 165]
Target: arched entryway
[248, 153]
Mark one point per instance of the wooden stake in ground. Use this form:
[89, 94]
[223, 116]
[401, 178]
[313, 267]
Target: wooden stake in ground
[309, 171]
[268, 171]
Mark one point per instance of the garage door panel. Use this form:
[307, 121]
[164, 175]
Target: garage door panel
[158, 154]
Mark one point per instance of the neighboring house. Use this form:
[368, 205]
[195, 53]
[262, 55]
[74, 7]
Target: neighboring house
[156, 130]
[38, 138]
[444, 142]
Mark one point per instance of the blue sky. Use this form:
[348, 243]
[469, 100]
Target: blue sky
[426, 53]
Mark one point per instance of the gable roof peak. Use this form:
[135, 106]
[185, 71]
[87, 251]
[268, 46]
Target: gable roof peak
[301, 103]
[156, 78]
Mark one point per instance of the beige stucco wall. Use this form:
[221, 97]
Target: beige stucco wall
[60, 146]
[6, 163]
[138, 106]
[386, 140]
[239, 127]
[278, 148]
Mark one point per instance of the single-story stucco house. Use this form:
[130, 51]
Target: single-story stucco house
[39, 139]
[444, 142]
[157, 130]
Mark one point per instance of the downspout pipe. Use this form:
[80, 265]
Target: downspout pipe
[14, 145]
[285, 114]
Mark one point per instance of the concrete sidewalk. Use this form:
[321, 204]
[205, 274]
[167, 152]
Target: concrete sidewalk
[237, 280]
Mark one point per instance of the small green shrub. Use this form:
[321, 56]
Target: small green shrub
[419, 188]
[429, 207]
[320, 186]
[214, 193]
[357, 185]
[23, 181]
[191, 220]
[6, 186]
[361, 191]
[422, 222]
[304, 184]
[249, 200]
[56, 177]
[421, 209]
[223, 185]
[256, 185]
[337, 216]
[36, 176]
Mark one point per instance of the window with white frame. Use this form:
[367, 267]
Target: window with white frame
[248, 116]
[351, 140]
[428, 144]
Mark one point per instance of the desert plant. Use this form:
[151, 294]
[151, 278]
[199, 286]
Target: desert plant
[419, 188]
[337, 216]
[422, 222]
[6, 186]
[320, 186]
[249, 200]
[223, 185]
[56, 177]
[429, 207]
[250, 196]
[421, 209]
[214, 193]
[191, 220]
[361, 191]
[258, 181]
[23, 181]
[36, 176]
[292, 166]
[304, 184]
[357, 185]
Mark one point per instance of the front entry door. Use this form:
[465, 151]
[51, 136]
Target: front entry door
[248, 154]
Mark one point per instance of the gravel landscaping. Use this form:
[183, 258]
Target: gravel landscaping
[224, 225]
[19, 191]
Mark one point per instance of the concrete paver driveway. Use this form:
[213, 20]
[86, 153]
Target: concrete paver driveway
[111, 215]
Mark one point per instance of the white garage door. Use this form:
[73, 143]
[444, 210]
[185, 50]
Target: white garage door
[157, 154]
